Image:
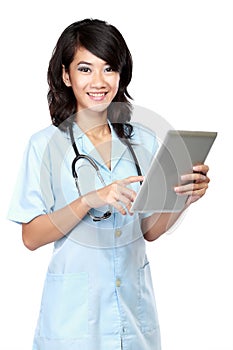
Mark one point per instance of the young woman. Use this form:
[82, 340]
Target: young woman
[79, 178]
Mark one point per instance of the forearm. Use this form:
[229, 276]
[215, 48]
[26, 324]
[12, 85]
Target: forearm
[195, 187]
[157, 224]
[51, 227]
[48, 228]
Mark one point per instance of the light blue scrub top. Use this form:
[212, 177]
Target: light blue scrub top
[98, 292]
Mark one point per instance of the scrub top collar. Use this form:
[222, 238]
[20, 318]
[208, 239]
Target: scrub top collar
[117, 150]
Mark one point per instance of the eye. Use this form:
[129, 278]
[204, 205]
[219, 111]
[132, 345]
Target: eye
[84, 69]
[108, 69]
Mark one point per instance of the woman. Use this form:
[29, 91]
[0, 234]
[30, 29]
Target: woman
[98, 293]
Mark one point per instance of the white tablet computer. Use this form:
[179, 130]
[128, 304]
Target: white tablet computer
[176, 156]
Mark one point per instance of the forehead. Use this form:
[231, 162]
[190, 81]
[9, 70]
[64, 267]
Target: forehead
[83, 55]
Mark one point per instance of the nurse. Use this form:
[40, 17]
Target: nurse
[98, 293]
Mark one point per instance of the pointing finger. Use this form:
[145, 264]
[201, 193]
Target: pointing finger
[132, 179]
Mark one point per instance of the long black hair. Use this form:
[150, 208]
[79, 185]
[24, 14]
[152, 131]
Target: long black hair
[106, 42]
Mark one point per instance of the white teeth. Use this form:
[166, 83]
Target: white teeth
[97, 94]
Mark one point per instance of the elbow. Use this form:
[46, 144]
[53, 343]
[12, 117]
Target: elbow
[151, 236]
[27, 241]
[28, 244]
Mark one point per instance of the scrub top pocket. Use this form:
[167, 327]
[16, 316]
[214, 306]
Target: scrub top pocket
[64, 308]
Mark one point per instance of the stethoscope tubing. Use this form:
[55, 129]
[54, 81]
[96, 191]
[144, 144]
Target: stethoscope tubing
[79, 156]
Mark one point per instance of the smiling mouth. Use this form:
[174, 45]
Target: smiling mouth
[97, 94]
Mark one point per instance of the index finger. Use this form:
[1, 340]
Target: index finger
[132, 179]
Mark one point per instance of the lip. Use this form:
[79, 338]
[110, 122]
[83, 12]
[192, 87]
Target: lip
[97, 96]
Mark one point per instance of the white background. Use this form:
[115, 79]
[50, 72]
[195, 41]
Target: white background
[183, 58]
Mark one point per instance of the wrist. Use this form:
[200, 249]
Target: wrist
[85, 203]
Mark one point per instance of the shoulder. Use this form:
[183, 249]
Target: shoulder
[47, 136]
[143, 135]
[140, 130]
[44, 135]
[41, 140]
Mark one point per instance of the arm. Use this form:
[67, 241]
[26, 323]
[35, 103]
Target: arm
[48, 228]
[157, 224]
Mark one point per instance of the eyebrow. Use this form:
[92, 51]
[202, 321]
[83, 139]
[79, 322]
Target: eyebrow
[84, 62]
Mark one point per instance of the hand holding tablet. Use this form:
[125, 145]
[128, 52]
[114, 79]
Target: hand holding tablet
[180, 151]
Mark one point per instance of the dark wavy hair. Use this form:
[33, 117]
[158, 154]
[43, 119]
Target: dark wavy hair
[106, 42]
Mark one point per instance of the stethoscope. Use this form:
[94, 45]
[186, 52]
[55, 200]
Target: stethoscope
[79, 156]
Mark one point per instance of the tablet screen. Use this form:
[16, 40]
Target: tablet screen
[178, 153]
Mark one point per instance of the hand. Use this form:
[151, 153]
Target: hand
[197, 186]
[113, 194]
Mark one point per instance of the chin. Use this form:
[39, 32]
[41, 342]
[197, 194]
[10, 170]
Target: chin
[99, 108]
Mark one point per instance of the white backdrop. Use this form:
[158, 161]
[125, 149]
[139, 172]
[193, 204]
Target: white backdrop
[183, 58]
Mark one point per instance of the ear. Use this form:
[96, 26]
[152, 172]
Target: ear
[65, 77]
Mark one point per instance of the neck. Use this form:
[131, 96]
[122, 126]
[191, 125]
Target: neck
[93, 123]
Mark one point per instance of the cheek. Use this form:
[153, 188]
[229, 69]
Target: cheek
[115, 84]
[78, 86]
[79, 82]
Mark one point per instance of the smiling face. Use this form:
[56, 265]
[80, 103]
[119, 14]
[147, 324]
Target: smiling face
[93, 81]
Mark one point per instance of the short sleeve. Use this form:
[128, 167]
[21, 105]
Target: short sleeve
[33, 195]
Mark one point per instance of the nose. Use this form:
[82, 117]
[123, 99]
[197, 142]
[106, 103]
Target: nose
[98, 80]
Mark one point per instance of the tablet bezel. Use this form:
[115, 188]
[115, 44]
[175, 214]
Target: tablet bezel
[180, 150]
